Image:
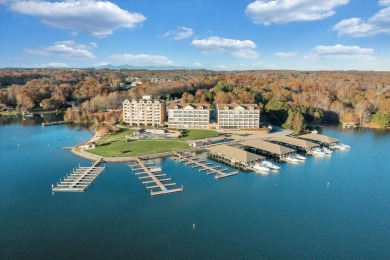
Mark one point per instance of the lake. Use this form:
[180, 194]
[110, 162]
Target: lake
[335, 207]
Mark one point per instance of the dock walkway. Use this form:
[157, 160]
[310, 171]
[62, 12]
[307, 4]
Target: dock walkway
[79, 179]
[160, 184]
[205, 166]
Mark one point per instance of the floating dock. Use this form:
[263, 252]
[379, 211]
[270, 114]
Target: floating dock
[189, 160]
[153, 178]
[79, 179]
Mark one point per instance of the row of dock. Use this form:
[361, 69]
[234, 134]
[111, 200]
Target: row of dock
[56, 123]
[204, 166]
[79, 179]
[154, 179]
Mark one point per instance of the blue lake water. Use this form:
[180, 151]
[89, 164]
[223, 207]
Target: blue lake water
[290, 214]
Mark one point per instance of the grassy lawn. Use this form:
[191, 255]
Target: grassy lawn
[115, 145]
[193, 134]
[135, 148]
[117, 136]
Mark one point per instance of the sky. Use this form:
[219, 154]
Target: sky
[209, 34]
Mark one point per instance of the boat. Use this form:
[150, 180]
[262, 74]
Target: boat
[343, 146]
[27, 114]
[300, 157]
[291, 159]
[260, 168]
[326, 150]
[270, 165]
[318, 152]
[155, 169]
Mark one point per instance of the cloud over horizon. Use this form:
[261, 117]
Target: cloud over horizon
[285, 11]
[237, 48]
[142, 59]
[66, 49]
[339, 51]
[96, 18]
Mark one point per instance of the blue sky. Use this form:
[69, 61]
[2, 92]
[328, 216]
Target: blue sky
[212, 34]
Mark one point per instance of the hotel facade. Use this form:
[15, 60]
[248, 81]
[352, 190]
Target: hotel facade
[144, 112]
[183, 115]
[238, 116]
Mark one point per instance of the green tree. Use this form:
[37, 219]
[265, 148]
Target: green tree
[382, 119]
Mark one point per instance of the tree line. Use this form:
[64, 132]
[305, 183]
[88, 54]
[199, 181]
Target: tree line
[291, 99]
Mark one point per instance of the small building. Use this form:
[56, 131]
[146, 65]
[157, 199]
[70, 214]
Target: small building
[234, 156]
[88, 146]
[238, 116]
[185, 115]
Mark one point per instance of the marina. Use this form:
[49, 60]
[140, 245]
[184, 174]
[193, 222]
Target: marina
[294, 143]
[196, 163]
[79, 179]
[319, 139]
[268, 149]
[155, 180]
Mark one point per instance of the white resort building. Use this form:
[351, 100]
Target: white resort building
[183, 115]
[238, 116]
[144, 112]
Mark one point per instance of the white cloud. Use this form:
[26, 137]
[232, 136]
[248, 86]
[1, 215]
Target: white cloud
[142, 59]
[92, 17]
[237, 48]
[285, 11]
[52, 65]
[357, 27]
[286, 54]
[197, 64]
[180, 33]
[339, 51]
[67, 49]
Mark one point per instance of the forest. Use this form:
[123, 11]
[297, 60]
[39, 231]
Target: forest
[292, 99]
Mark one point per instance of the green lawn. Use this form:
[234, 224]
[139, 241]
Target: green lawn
[115, 145]
[117, 136]
[140, 147]
[193, 134]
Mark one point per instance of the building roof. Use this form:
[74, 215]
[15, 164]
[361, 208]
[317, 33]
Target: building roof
[294, 141]
[269, 147]
[237, 106]
[319, 138]
[235, 153]
[189, 106]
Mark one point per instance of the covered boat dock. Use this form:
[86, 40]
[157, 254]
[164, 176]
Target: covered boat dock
[320, 139]
[268, 149]
[234, 156]
[295, 143]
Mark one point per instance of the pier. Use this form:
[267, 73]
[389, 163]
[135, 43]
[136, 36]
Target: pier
[195, 163]
[79, 179]
[155, 178]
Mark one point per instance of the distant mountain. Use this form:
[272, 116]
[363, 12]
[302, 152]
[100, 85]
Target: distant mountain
[131, 67]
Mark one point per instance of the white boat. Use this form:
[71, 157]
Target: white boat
[259, 168]
[318, 152]
[300, 157]
[291, 159]
[343, 146]
[27, 114]
[155, 169]
[326, 150]
[270, 165]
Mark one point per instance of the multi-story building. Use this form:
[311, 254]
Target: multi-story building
[144, 112]
[238, 116]
[188, 115]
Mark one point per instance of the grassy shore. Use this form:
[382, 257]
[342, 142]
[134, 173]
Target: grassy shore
[116, 145]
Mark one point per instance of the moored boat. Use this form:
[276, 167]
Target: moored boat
[318, 152]
[155, 169]
[326, 150]
[300, 157]
[270, 165]
[291, 159]
[260, 168]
